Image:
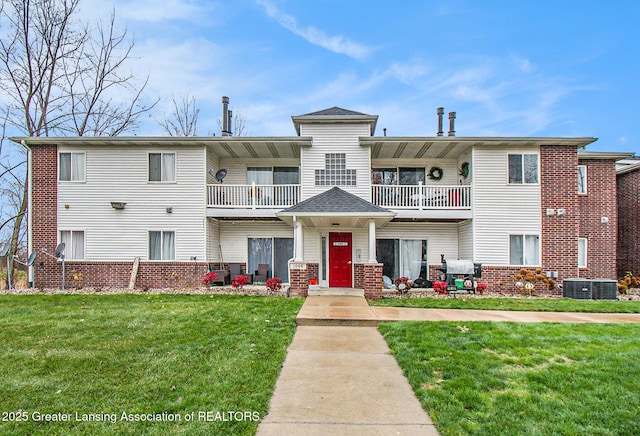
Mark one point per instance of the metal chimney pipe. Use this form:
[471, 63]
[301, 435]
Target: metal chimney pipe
[384, 131]
[225, 116]
[452, 119]
[440, 115]
[229, 124]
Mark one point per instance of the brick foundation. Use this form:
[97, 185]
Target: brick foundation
[368, 277]
[628, 250]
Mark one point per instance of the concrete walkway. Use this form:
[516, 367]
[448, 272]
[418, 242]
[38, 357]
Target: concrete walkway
[339, 378]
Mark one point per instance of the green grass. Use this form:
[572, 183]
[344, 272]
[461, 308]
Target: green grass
[519, 304]
[141, 354]
[523, 379]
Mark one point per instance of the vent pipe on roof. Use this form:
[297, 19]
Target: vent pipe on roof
[452, 119]
[440, 114]
[384, 131]
[226, 117]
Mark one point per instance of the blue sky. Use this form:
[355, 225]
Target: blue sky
[527, 68]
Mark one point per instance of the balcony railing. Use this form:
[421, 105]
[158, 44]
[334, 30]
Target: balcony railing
[253, 196]
[422, 196]
[416, 197]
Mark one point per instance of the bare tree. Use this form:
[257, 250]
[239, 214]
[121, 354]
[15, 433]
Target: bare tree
[61, 77]
[183, 121]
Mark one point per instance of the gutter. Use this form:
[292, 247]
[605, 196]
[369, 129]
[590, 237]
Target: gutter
[29, 209]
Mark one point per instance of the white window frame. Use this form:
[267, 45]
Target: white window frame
[523, 174]
[73, 156]
[524, 249]
[162, 154]
[162, 254]
[582, 180]
[69, 253]
[584, 243]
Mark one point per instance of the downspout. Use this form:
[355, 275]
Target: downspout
[29, 209]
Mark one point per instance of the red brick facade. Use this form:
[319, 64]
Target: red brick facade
[368, 276]
[558, 191]
[596, 206]
[299, 279]
[628, 195]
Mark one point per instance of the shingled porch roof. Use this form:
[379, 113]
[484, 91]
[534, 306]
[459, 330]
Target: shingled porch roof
[336, 208]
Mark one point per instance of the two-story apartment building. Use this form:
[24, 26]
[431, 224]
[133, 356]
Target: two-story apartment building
[334, 203]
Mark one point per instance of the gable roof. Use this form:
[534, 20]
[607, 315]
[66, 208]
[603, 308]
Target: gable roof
[334, 111]
[339, 205]
[335, 200]
[335, 115]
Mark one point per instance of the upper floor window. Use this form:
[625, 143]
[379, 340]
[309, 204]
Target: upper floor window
[412, 176]
[162, 167]
[523, 168]
[72, 167]
[524, 250]
[582, 179]
[74, 243]
[162, 245]
[335, 172]
[384, 176]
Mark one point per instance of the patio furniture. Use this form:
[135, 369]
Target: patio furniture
[261, 274]
[223, 275]
[235, 269]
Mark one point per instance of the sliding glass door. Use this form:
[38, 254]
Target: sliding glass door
[403, 257]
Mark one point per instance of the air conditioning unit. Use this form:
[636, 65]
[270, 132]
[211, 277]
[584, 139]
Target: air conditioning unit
[578, 289]
[604, 289]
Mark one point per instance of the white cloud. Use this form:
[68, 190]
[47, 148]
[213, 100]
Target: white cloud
[336, 44]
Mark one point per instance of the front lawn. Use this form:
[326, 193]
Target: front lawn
[519, 304]
[172, 364]
[525, 379]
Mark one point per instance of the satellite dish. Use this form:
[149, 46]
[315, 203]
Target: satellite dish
[32, 258]
[5, 249]
[221, 175]
[60, 249]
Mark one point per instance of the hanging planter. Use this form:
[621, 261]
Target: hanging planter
[464, 170]
[436, 173]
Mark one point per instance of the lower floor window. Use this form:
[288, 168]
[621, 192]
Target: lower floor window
[403, 257]
[162, 245]
[274, 252]
[582, 252]
[74, 243]
[524, 249]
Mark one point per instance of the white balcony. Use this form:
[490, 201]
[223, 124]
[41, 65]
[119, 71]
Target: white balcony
[252, 196]
[422, 197]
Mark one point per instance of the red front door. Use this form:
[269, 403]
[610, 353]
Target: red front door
[340, 260]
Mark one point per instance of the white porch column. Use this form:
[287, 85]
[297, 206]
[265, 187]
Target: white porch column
[298, 240]
[372, 242]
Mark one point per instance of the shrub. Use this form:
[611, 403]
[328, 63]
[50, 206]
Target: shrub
[274, 284]
[440, 287]
[481, 287]
[404, 283]
[210, 278]
[239, 282]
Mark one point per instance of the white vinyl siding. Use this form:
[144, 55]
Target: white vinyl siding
[582, 252]
[582, 179]
[500, 208]
[465, 240]
[71, 167]
[120, 173]
[74, 244]
[335, 138]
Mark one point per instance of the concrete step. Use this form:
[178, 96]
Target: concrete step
[318, 291]
[336, 310]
